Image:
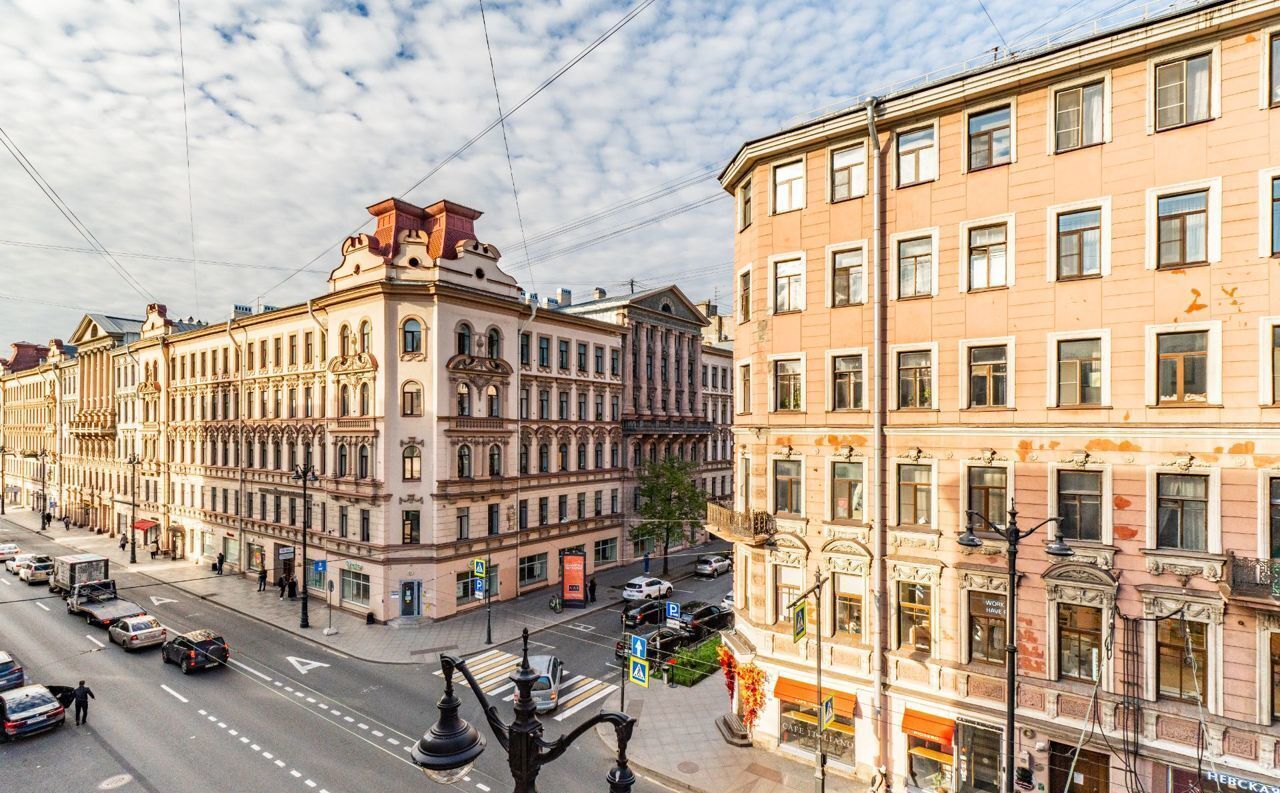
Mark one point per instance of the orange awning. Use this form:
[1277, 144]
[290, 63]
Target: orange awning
[930, 728]
[807, 694]
[144, 525]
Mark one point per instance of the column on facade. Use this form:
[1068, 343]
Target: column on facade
[642, 377]
[672, 367]
[696, 408]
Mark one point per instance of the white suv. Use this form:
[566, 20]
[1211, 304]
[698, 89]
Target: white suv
[645, 588]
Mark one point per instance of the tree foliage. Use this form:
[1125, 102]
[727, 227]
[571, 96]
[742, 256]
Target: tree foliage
[671, 503]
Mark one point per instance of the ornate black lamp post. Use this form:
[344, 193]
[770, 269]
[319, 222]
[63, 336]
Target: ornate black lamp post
[1012, 535]
[450, 747]
[305, 473]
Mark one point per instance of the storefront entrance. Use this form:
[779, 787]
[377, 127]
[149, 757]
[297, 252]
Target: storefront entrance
[798, 722]
[930, 763]
[410, 598]
[1088, 772]
[284, 562]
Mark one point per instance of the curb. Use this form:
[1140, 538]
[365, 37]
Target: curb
[642, 769]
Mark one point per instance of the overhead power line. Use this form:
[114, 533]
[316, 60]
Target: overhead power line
[186, 139]
[150, 256]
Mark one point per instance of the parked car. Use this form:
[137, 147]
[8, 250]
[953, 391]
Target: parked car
[99, 604]
[11, 564]
[727, 602]
[134, 632]
[546, 689]
[8, 550]
[195, 650]
[35, 573]
[644, 588]
[712, 565]
[11, 672]
[29, 710]
[642, 612]
[662, 641]
[702, 618]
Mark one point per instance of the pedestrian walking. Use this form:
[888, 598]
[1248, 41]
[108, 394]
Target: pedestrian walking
[293, 588]
[282, 582]
[262, 580]
[123, 541]
[591, 589]
[155, 548]
[82, 694]
[646, 563]
[221, 560]
[66, 523]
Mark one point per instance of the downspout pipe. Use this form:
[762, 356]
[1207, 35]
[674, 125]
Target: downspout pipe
[879, 445]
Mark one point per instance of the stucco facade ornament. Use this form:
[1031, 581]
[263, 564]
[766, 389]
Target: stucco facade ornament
[351, 364]
[987, 457]
[915, 572]
[411, 441]
[922, 540]
[839, 531]
[1081, 585]
[1185, 462]
[1198, 611]
[915, 455]
[1269, 620]
[1079, 460]
[1186, 566]
[985, 582]
[411, 499]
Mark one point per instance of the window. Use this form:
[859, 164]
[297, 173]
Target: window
[605, 551]
[410, 527]
[544, 458]
[562, 347]
[364, 400]
[1273, 79]
[744, 296]
[1079, 642]
[915, 379]
[1183, 222]
[846, 491]
[1079, 244]
[1090, 772]
[342, 520]
[524, 349]
[987, 627]
[495, 460]
[362, 462]
[915, 606]
[582, 357]
[988, 376]
[493, 519]
[786, 487]
[1183, 368]
[615, 362]
[493, 344]
[1080, 505]
[411, 463]
[563, 405]
[464, 399]
[846, 277]
[411, 336]
[846, 382]
[788, 285]
[544, 510]
[917, 157]
[544, 404]
[1078, 117]
[788, 186]
[492, 405]
[464, 523]
[410, 399]
[598, 357]
[915, 495]
[990, 138]
[533, 569]
[355, 588]
[744, 205]
[1275, 212]
[1080, 372]
[988, 493]
[464, 462]
[848, 606]
[848, 172]
[464, 339]
[1182, 516]
[1182, 92]
[744, 388]
[787, 582]
[987, 257]
[342, 459]
[787, 385]
[1182, 660]
[1275, 676]
[915, 267]
[544, 352]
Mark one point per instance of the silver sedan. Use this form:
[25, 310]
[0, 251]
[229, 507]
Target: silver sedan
[135, 632]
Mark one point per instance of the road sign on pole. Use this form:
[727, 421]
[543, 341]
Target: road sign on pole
[673, 610]
[799, 621]
[639, 646]
[828, 712]
[320, 565]
[477, 568]
[639, 672]
[479, 588]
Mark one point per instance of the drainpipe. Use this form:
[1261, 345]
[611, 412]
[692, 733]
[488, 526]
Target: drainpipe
[879, 451]
[240, 461]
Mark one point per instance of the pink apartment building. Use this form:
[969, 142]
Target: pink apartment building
[1051, 280]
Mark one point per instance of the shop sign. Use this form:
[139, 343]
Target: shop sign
[1233, 782]
[354, 566]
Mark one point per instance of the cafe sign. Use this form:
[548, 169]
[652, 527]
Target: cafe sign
[354, 566]
[1228, 781]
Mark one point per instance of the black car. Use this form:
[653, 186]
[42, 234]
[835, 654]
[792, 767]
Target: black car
[663, 642]
[195, 650]
[702, 618]
[643, 612]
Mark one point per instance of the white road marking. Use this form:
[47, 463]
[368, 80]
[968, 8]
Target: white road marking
[582, 626]
[213, 718]
[222, 725]
[87, 636]
[251, 670]
[485, 788]
[176, 695]
[243, 739]
[41, 605]
[156, 600]
[393, 742]
[280, 764]
[311, 700]
[295, 773]
[377, 733]
[299, 694]
[335, 711]
[363, 726]
[6, 583]
[203, 712]
[348, 719]
[277, 682]
[255, 747]
[232, 733]
[604, 692]
[268, 755]
[289, 689]
[303, 665]
[326, 707]
[542, 644]
[308, 783]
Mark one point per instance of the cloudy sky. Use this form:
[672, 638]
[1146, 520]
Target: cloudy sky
[303, 112]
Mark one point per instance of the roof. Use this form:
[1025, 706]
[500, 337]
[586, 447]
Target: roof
[117, 326]
[610, 302]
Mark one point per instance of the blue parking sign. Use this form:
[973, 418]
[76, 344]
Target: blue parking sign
[639, 647]
[673, 610]
[320, 565]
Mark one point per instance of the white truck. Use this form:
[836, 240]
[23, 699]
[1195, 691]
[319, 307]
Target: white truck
[78, 569]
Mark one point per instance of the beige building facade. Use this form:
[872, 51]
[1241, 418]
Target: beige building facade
[1050, 281]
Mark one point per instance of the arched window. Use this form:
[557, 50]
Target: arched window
[411, 399]
[342, 460]
[613, 455]
[524, 458]
[362, 463]
[344, 401]
[544, 458]
[599, 461]
[411, 336]
[464, 462]
[563, 457]
[411, 463]
[464, 339]
[366, 336]
[464, 399]
[364, 399]
[582, 456]
[491, 399]
[345, 340]
[493, 343]
[495, 460]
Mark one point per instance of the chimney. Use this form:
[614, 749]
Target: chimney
[394, 216]
[241, 310]
[533, 298]
[598, 294]
[707, 308]
[447, 225]
[551, 302]
[564, 297]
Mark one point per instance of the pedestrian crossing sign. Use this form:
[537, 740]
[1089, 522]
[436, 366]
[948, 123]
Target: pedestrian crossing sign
[828, 712]
[477, 568]
[799, 621]
[640, 672]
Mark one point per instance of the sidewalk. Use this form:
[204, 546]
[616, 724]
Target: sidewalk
[462, 635]
[676, 742]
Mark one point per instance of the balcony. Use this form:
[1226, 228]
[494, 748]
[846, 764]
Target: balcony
[473, 423]
[1255, 578]
[355, 424]
[673, 426]
[94, 422]
[751, 528]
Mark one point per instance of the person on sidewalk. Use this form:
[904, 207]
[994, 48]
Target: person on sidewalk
[221, 560]
[123, 541]
[83, 694]
[293, 588]
[646, 563]
[155, 548]
[283, 583]
[66, 523]
[262, 580]
[591, 589]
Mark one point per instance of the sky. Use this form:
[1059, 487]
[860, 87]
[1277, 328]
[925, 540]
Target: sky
[301, 113]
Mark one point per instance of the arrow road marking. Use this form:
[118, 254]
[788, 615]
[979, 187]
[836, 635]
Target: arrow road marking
[156, 600]
[303, 665]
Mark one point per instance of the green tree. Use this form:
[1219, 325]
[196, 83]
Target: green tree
[670, 503]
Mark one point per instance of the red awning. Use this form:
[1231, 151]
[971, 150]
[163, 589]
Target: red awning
[807, 694]
[930, 728]
[144, 525]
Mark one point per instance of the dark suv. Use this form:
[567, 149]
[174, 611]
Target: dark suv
[11, 674]
[643, 612]
[702, 618]
[195, 650]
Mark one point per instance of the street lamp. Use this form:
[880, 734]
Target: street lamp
[1012, 535]
[5, 451]
[450, 747]
[132, 461]
[305, 473]
[44, 490]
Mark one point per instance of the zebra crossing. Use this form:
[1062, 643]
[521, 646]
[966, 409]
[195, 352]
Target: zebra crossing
[492, 670]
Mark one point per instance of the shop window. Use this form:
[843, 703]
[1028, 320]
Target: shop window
[978, 758]
[798, 728]
[1078, 772]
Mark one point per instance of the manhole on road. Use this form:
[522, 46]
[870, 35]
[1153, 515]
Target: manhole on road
[113, 782]
[687, 767]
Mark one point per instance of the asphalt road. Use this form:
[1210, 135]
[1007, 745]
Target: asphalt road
[287, 714]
